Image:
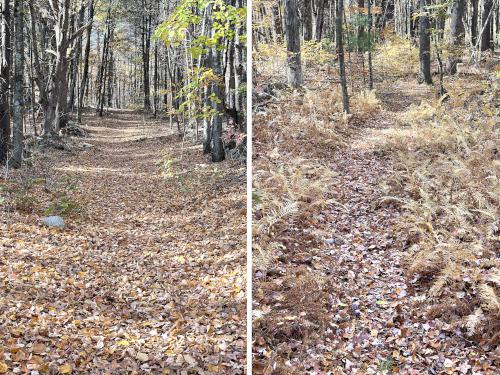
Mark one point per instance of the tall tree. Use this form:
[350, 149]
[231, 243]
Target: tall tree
[146, 51]
[425, 44]
[85, 74]
[340, 53]
[292, 28]
[5, 63]
[486, 25]
[18, 98]
[457, 33]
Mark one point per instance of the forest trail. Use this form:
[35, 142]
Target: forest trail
[336, 298]
[147, 277]
[381, 322]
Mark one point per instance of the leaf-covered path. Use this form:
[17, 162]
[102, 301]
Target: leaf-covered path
[148, 277]
[338, 299]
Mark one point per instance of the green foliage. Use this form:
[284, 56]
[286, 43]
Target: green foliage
[62, 206]
[386, 365]
[166, 165]
[186, 26]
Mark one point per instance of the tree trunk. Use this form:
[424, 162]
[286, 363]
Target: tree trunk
[18, 103]
[295, 78]
[486, 22]
[474, 21]
[146, 48]
[75, 62]
[85, 75]
[457, 33]
[5, 63]
[340, 53]
[217, 149]
[425, 45]
[370, 63]
[307, 19]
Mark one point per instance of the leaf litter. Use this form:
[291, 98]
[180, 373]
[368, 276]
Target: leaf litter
[331, 292]
[147, 278]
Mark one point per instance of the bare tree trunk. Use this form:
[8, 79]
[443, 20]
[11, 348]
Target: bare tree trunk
[18, 103]
[75, 61]
[85, 75]
[486, 22]
[217, 149]
[5, 63]
[370, 63]
[425, 45]
[457, 33]
[295, 78]
[474, 21]
[340, 53]
[307, 19]
[146, 48]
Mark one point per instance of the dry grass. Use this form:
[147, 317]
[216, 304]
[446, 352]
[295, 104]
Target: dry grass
[447, 177]
[396, 56]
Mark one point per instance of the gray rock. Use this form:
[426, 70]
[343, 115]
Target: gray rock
[54, 222]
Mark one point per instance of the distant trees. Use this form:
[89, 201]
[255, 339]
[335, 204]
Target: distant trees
[206, 67]
[447, 28]
[74, 54]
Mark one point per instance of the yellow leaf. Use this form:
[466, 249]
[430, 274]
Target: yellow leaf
[3, 368]
[123, 343]
[65, 369]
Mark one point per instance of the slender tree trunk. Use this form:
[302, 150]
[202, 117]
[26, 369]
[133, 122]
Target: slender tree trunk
[307, 19]
[75, 62]
[85, 75]
[217, 149]
[295, 78]
[155, 81]
[370, 63]
[5, 64]
[425, 45]
[486, 22]
[146, 48]
[18, 103]
[340, 53]
[457, 33]
[474, 21]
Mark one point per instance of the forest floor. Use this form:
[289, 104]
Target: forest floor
[148, 274]
[332, 291]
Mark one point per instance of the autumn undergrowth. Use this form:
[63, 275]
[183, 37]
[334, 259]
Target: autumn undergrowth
[446, 157]
[34, 190]
[296, 133]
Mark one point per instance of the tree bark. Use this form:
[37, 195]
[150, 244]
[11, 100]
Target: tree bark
[340, 53]
[85, 75]
[75, 61]
[370, 63]
[457, 33]
[474, 21]
[425, 45]
[486, 22]
[18, 104]
[5, 64]
[295, 78]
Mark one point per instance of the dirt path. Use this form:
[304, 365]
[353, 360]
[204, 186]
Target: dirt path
[379, 324]
[148, 277]
[337, 300]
